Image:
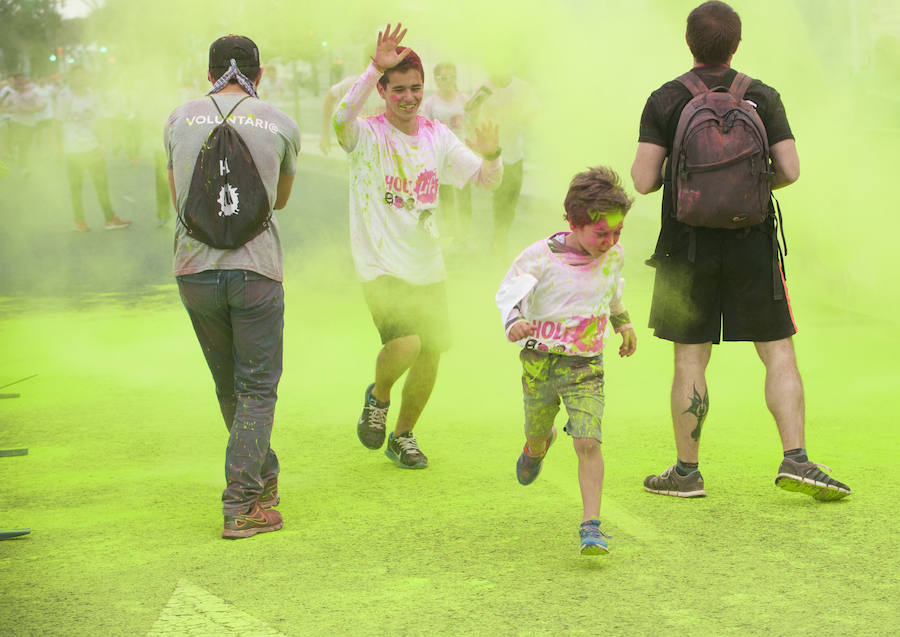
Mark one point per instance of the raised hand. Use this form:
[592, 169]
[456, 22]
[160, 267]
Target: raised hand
[487, 139]
[386, 56]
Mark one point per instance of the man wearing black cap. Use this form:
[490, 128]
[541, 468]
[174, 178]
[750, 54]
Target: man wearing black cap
[234, 296]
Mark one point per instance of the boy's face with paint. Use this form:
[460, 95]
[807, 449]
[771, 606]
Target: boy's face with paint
[596, 238]
[402, 94]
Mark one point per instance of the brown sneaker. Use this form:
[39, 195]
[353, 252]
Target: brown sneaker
[269, 497]
[669, 482]
[808, 478]
[81, 226]
[258, 520]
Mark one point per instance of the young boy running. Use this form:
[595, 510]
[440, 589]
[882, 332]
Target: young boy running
[397, 162]
[555, 302]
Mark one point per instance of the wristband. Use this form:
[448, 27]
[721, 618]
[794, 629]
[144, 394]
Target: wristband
[620, 320]
[494, 155]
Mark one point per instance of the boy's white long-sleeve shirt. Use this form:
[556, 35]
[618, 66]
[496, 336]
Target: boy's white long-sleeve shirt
[567, 298]
[394, 180]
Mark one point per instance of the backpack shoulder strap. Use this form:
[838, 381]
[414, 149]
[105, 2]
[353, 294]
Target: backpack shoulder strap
[739, 85]
[225, 117]
[218, 110]
[692, 83]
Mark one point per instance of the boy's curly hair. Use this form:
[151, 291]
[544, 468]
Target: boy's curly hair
[592, 194]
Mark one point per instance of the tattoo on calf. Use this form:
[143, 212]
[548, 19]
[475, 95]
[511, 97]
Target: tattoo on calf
[699, 408]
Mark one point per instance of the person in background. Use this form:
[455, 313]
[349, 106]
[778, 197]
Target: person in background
[5, 94]
[78, 111]
[447, 105]
[511, 102]
[47, 133]
[24, 105]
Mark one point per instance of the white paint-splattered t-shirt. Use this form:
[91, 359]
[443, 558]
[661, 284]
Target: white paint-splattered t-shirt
[394, 180]
[567, 297]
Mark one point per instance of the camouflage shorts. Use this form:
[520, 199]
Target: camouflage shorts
[577, 380]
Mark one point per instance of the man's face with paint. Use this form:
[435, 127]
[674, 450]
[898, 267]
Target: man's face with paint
[402, 94]
[598, 237]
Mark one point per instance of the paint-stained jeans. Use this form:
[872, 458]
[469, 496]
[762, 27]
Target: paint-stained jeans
[238, 317]
[577, 380]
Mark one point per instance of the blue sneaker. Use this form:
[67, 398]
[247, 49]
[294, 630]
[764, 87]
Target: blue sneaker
[593, 540]
[527, 467]
[370, 426]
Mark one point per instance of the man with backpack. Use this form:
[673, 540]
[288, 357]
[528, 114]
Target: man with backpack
[231, 160]
[719, 272]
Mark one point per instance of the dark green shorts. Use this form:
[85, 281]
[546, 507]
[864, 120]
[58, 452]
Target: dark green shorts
[402, 309]
[548, 378]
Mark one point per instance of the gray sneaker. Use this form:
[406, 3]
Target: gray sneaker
[808, 478]
[404, 451]
[370, 426]
[669, 482]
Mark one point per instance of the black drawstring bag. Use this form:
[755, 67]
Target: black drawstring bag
[227, 204]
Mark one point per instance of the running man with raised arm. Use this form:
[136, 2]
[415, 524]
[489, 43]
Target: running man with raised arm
[397, 161]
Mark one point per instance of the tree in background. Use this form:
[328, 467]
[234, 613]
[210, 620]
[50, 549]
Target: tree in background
[28, 29]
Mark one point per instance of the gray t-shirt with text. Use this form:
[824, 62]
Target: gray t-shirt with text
[273, 140]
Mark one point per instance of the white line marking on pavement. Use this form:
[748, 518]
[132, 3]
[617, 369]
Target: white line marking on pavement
[194, 611]
[630, 524]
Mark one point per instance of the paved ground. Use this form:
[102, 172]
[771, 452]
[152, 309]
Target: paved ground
[122, 482]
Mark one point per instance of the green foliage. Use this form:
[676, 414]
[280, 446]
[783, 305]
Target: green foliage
[27, 31]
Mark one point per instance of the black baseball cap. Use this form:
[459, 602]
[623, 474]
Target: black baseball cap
[242, 49]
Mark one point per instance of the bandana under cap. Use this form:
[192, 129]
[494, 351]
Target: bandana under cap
[235, 73]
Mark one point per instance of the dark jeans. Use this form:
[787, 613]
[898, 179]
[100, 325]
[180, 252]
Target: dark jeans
[238, 316]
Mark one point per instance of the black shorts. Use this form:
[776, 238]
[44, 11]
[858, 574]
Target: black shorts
[728, 291]
[402, 309]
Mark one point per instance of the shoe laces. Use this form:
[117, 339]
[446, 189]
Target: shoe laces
[407, 444]
[819, 472]
[593, 530]
[377, 416]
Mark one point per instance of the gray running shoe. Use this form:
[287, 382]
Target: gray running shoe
[669, 482]
[808, 478]
[404, 451]
[370, 426]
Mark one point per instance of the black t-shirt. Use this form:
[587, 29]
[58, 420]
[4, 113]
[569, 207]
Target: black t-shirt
[660, 119]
